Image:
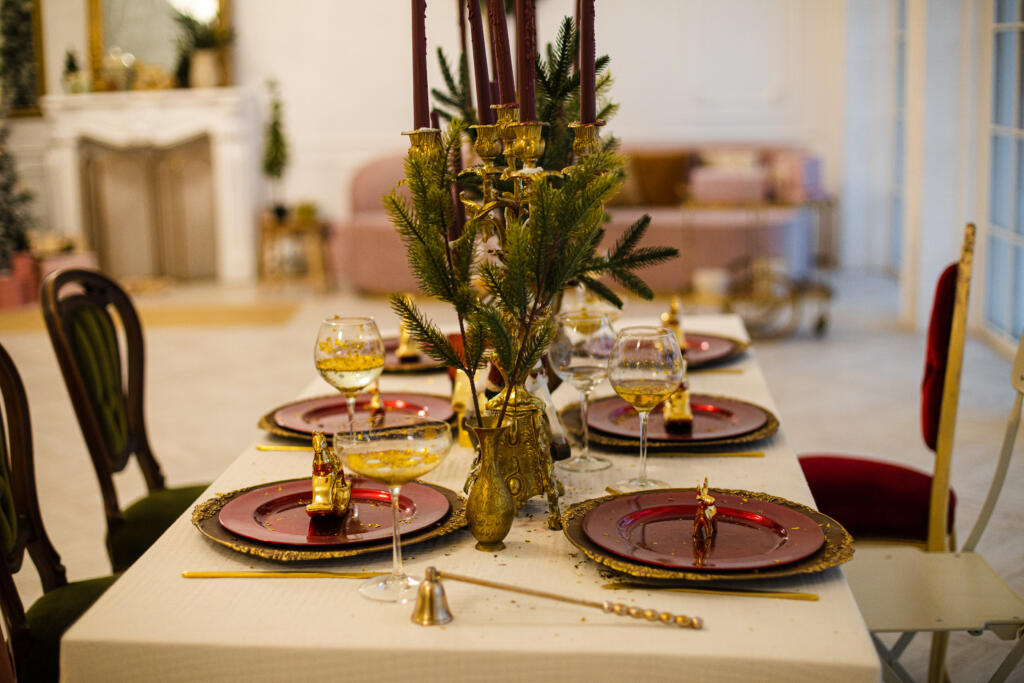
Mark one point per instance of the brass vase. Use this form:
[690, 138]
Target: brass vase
[524, 454]
[490, 508]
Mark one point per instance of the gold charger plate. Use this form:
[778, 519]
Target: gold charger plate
[205, 519]
[570, 417]
[837, 549]
[269, 425]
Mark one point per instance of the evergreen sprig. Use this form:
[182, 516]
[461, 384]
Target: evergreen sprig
[457, 101]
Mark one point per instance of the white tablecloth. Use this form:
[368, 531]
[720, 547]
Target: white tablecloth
[153, 625]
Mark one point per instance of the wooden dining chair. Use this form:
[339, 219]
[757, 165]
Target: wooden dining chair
[33, 635]
[104, 372]
[907, 590]
[881, 500]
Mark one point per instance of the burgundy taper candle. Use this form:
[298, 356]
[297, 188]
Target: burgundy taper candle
[526, 59]
[481, 80]
[494, 98]
[588, 96]
[435, 119]
[420, 101]
[502, 51]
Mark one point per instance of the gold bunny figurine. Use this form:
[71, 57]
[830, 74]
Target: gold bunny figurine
[704, 523]
[331, 490]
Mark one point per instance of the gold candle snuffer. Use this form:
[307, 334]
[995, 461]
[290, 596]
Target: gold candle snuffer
[431, 607]
[331, 490]
[732, 592]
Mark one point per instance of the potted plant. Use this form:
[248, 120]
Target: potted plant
[203, 42]
[18, 277]
[275, 151]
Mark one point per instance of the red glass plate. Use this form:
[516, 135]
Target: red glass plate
[422, 363]
[277, 514]
[710, 349]
[656, 528]
[714, 417]
[330, 413]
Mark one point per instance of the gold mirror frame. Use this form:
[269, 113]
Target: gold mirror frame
[40, 65]
[97, 46]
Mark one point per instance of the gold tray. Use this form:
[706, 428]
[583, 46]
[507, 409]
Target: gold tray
[837, 549]
[570, 417]
[204, 517]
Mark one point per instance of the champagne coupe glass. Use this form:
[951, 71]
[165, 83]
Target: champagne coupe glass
[393, 455]
[580, 355]
[349, 355]
[646, 367]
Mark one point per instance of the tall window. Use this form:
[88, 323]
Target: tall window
[894, 255]
[1004, 267]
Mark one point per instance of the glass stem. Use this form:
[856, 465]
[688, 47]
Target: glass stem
[643, 445]
[584, 408]
[350, 401]
[396, 549]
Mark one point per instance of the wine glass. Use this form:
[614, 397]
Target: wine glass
[579, 355]
[349, 355]
[646, 367]
[393, 455]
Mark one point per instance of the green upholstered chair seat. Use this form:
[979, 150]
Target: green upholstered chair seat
[50, 617]
[146, 519]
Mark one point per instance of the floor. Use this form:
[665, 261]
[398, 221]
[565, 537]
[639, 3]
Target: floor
[854, 391]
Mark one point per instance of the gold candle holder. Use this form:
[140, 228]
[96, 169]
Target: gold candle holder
[528, 142]
[508, 115]
[487, 146]
[586, 140]
[424, 142]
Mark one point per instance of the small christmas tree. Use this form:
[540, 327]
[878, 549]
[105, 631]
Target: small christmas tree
[275, 149]
[15, 218]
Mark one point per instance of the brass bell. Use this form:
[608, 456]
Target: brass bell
[431, 604]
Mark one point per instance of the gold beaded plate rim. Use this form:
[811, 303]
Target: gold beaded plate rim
[837, 549]
[204, 518]
[570, 417]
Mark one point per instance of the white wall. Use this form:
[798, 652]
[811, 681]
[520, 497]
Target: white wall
[759, 70]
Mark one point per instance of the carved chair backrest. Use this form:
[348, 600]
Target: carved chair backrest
[21, 524]
[97, 337]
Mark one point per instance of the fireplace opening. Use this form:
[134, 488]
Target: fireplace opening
[148, 210]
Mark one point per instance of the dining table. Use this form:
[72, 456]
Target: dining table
[155, 625]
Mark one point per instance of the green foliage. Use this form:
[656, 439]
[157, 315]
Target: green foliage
[457, 102]
[558, 95]
[15, 219]
[275, 146]
[199, 35]
[546, 245]
[70, 63]
[17, 54]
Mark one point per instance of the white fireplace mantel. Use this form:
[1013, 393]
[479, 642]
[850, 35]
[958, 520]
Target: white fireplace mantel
[163, 118]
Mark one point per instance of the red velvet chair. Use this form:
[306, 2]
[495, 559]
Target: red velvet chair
[880, 500]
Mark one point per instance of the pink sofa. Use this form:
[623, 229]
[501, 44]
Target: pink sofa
[715, 203]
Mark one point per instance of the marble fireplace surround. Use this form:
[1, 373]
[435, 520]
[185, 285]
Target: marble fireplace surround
[163, 118]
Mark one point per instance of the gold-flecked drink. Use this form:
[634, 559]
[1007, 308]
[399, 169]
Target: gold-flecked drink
[352, 373]
[393, 466]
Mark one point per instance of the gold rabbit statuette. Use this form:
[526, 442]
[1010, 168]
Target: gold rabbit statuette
[331, 490]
